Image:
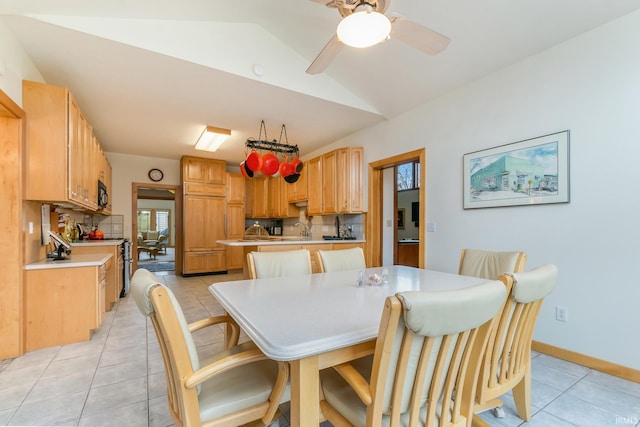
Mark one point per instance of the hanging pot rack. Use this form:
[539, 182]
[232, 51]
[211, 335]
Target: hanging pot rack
[274, 146]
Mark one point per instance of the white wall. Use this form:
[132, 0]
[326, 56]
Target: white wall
[127, 169]
[591, 86]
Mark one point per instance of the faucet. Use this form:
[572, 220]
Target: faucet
[305, 234]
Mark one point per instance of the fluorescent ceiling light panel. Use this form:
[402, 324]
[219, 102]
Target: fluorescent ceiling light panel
[212, 138]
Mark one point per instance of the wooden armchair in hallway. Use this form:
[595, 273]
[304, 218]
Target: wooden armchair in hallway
[425, 365]
[490, 265]
[262, 265]
[341, 259]
[237, 386]
[507, 361]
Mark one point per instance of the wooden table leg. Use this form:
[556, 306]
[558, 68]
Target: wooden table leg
[305, 395]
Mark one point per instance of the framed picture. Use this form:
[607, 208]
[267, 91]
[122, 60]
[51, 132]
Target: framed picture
[530, 172]
[401, 218]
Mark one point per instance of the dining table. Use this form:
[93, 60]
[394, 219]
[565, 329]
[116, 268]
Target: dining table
[320, 320]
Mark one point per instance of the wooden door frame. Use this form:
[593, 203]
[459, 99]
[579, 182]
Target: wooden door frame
[374, 223]
[177, 191]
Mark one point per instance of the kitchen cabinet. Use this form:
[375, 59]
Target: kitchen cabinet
[314, 179]
[114, 270]
[335, 182]
[278, 203]
[204, 218]
[349, 185]
[64, 305]
[235, 219]
[408, 254]
[298, 191]
[204, 214]
[209, 171]
[257, 197]
[63, 156]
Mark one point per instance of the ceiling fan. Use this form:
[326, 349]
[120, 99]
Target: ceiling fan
[402, 29]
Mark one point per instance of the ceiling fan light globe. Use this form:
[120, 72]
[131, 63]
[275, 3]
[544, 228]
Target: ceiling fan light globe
[363, 29]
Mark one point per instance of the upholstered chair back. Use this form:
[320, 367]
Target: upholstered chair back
[489, 265]
[278, 264]
[341, 259]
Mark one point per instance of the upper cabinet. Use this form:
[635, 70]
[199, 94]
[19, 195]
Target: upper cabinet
[335, 182]
[208, 171]
[64, 158]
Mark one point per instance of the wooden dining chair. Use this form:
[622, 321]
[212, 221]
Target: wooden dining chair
[490, 265]
[507, 361]
[239, 385]
[278, 264]
[424, 369]
[341, 260]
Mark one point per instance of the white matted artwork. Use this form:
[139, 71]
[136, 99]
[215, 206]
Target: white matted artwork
[530, 172]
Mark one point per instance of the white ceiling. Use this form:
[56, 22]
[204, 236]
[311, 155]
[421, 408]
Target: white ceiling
[150, 74]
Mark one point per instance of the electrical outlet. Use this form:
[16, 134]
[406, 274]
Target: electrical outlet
[562, 313]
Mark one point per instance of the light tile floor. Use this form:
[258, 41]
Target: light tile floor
[117, 378]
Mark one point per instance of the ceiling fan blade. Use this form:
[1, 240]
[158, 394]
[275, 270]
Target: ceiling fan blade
[326, 55]
[417, 36]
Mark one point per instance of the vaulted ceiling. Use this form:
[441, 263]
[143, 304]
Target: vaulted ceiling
[149, 75]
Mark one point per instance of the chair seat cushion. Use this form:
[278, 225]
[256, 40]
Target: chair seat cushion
[238, 388]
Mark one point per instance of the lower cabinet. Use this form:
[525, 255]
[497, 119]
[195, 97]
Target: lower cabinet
[204, 262]
[63, 305]
[408, 254]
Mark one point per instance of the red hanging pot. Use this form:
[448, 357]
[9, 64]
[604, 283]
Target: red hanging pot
[270, 164]
[254, 161]
[285, 168]
[297, 165]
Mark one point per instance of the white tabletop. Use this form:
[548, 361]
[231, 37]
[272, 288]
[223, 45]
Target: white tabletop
[290, 318]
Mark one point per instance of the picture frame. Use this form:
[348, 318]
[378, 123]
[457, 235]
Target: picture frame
[529, 172]
[401, 218]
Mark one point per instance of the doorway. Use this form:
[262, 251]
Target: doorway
[157, 208]
[375, 221]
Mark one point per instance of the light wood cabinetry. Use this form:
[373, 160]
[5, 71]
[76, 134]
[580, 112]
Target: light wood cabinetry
[257, 197]
[350, 184]
[235, 219]
[278, 204]
[64, 159]
[314, 179]
[198, 169]
[63, 305]
[298, 191]
[204, 216]
[114, 276]
[335, 182]
[408, 254]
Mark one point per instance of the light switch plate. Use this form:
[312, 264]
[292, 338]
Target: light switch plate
[431, 227]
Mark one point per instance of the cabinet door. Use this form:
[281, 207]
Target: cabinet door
[216, 171]
[329, 182]
[274, 193]
[349, 183]
[314, 182]
[235, 188]
[204, 262]
[260, 197]
[204, 223]
[297, 192]
[193, 169]
[75, 150]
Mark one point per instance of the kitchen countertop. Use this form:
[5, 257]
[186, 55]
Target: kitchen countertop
[285, 241]
[109, 242]
[408, 241]
[88, 260]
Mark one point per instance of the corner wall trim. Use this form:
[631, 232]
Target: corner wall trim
[588, 361]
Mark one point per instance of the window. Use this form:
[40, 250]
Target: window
[408, 176]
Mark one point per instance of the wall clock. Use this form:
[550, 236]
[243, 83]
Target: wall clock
[156, 175]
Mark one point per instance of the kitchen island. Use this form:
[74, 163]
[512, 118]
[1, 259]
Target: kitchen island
[287, 243]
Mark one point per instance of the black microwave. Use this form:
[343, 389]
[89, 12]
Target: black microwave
[103, 197]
